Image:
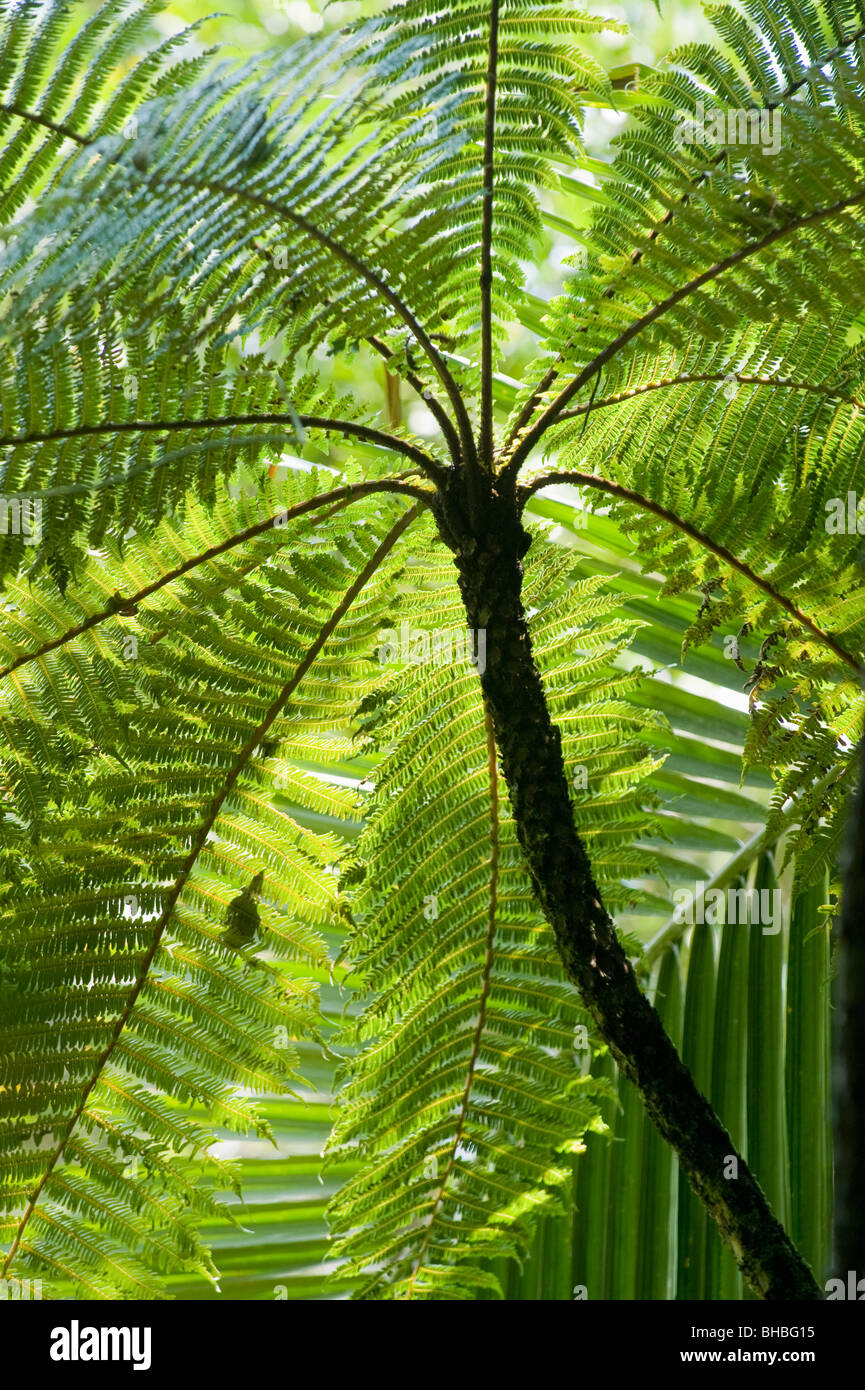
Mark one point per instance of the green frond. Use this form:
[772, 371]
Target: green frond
[467, 1084]
[137, 817]
[796, 435]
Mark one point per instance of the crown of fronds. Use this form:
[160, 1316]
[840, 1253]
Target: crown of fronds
[185, 239]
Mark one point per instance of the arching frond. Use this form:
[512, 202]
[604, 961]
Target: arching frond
[152, 761]
[740, 198]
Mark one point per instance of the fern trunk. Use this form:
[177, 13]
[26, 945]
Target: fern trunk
[848, 1061]
[488, 551]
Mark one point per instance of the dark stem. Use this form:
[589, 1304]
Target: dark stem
[637, 254]
[437, 409]
[848, 1056]
[433, 405]
[490, 578]
[11, 109]
[691, 378]
[486, 277]
[368, 434]
[372, 277]
[127, 604]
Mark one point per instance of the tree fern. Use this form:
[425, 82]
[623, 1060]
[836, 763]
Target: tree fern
[179, 655]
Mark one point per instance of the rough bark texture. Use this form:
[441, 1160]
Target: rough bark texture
[848, 1062]
[488, 549]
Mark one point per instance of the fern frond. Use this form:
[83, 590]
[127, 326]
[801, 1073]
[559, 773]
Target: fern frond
[467, 1091]
[731, 229]
[134, 826]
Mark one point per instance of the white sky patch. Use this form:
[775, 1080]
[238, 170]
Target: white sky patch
[422, 421]
[296, 12]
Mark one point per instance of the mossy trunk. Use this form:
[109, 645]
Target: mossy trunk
[488, 551]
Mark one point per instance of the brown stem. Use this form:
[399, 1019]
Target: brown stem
[367, 433]
[372, 278]
[637, 254]
[486, 276]
[687, 378]
[848, 1052]
[433, 405]
[490, 578]
[11, 109]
